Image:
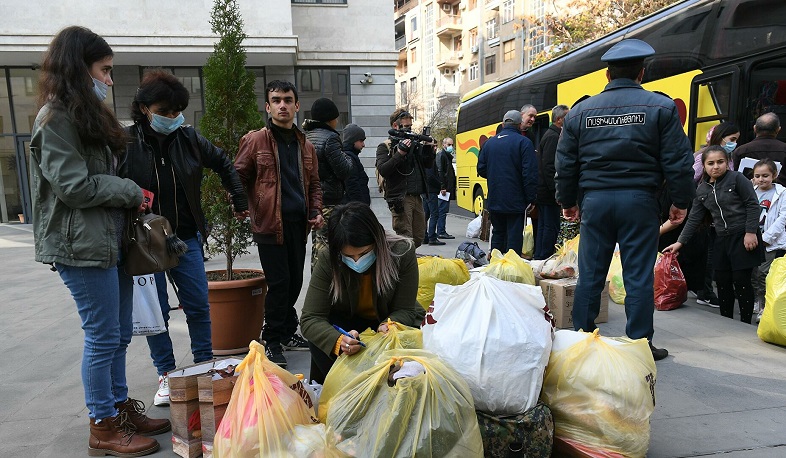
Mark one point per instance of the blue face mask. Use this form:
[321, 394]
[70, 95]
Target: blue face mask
[164, 125]
[100, 89]
[449, 149]
[729, 146]
[362, 264]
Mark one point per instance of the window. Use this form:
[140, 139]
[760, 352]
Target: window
[474, 71]
[404, 98]
[413, 25]
[491, 29]
[508, 50]
[491, 64]
[507, 11]
[413, 85]
[414, 55]
[320, 2]
[330, 82]
[473, 38]
[472, 4]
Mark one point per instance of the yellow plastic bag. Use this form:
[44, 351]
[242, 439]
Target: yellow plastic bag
[433, 270]
[510, 268]
[528, 248]
[430, 414]
[616, 283]
[772, 327]
[564, 263]
[266, 404]
[601, 392]
[314, 441]
[347, 367]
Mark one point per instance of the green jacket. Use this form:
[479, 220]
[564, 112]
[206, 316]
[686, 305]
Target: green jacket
[73, 195]
[399, 305]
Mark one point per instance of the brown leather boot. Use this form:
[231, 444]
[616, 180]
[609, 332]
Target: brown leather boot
[145, 425]
[116, 436]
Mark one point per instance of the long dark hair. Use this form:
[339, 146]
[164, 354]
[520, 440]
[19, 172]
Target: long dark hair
[66, 84]
[355, 224]
[723, 129]
[159, 86]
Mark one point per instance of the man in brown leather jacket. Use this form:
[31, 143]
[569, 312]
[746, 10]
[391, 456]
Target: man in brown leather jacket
[279, 170]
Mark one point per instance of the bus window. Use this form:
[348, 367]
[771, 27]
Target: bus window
[745, 25]
[712, 101]
[766, 93]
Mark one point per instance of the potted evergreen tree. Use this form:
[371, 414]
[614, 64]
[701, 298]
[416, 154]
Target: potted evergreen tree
[237, 297]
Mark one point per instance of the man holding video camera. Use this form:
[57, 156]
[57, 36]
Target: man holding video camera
[401, 161]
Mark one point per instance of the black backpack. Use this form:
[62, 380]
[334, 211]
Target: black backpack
[471, 252]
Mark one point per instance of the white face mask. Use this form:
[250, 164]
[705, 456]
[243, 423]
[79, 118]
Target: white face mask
[100, 89]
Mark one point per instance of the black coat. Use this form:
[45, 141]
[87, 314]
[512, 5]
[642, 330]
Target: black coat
[447, 176]
[335, 166]
[357, 182]
[546, 170]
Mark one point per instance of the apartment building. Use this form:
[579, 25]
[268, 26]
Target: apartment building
[447, 48]
[318, 44]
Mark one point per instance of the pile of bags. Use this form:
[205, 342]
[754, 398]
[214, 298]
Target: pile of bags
[564, 263]
[510, 267]
[671, 290]
[433, 270]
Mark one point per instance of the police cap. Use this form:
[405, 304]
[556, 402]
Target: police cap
[628, 49]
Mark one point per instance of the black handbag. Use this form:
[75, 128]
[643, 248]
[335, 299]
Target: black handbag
[150, 245]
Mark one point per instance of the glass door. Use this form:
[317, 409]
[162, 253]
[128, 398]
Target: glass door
[23, 178]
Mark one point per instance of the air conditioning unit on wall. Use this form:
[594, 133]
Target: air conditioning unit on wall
[447, 71]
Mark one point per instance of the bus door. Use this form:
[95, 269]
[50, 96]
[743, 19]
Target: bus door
[766, 94]
[713, 99]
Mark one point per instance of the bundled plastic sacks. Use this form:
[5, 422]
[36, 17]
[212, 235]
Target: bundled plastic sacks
[564, 263]
[308, 441]
[267, 402]
[671, 290]
[433, 270]
[428, 414]
[528, 247]
[772, 327]
[510, 267]
[474, 226]
[616, 284]
[347, 367]
[601, 392]
[497, 335]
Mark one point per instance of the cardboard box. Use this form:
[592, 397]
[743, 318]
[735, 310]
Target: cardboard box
[214, 394]
[184, 405]
[559, 298]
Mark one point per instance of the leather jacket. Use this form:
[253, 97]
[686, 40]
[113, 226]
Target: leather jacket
[259, 167]
[189, 152]
[335, 166]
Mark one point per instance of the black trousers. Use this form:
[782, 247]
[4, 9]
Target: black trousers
[283, 266]
[737, 284]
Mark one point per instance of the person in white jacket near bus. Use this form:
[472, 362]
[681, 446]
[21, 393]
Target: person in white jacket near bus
[772, 222]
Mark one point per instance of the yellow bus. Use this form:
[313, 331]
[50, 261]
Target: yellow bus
[718, 60]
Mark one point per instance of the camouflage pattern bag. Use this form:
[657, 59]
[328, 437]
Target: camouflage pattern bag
[527, 435]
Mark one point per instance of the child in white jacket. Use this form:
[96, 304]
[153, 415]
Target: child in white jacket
[773, 225]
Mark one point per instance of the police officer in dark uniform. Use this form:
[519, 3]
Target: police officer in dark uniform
[616, 148]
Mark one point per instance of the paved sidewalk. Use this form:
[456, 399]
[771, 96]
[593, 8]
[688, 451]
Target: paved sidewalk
[721, 391]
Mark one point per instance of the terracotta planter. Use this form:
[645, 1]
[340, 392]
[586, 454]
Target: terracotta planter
[237, 312]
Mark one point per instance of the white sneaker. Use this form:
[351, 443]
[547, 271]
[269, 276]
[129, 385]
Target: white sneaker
[757, 307]
[758, 317]
[162, 395]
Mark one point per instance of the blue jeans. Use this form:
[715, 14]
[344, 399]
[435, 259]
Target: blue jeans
[191, 281]
[106, 321]
[431, 209]
[630, 218]
[444, 208]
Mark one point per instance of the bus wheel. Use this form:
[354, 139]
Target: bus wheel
[478, 201]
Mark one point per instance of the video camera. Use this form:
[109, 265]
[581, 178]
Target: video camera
[418, 140]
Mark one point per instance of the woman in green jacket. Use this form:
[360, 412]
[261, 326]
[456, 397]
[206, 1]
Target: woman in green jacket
[369, 275]
[79, 208]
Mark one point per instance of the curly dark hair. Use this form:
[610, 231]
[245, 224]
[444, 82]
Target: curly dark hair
[66, 84]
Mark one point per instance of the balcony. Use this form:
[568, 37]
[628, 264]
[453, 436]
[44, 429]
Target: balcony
[445, 92]
[400, 7]
[492, 5]
[401, 42]
[449, 26]
[449, 60]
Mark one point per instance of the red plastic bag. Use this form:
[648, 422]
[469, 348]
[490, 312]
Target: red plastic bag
[671, 291]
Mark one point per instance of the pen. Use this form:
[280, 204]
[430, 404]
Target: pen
[349, 335]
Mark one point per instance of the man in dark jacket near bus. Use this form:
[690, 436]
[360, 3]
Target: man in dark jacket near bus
[617, 147]
[507, 160]
[335, 166]
[548, 209]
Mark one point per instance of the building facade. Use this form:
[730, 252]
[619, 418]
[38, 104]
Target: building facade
[317, 44]
[448, 48]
